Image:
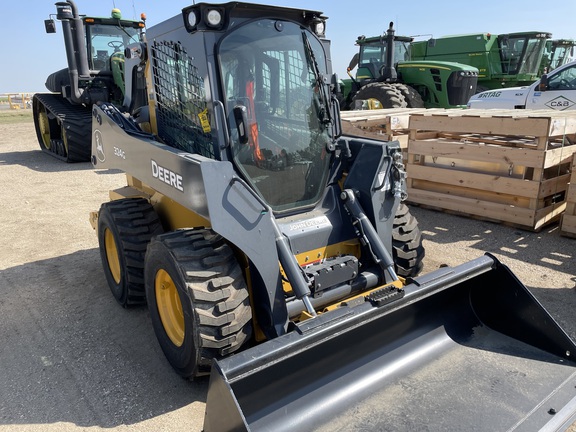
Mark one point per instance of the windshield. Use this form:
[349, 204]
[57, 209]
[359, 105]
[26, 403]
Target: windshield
[563, 80]
[105, 40]
[521, 55]
[559, 56]
[268, 71]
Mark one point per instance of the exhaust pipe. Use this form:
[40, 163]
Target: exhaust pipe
[73, 30]
[389, 73]
[466, 348]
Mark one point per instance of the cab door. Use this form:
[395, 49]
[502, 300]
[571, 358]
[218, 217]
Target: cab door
[560, 91]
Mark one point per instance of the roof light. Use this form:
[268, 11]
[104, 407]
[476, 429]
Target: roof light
[214, 18]
[192, 19]
[319, 26]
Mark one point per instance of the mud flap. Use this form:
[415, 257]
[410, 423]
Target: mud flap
[467, 348]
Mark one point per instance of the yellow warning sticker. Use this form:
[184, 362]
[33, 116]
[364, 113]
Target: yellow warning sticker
[203, 116]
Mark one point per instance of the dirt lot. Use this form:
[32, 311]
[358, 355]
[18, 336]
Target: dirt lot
[72, 359]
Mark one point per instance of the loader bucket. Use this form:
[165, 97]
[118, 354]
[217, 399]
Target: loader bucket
[467, 348]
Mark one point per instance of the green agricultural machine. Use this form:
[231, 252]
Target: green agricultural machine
[505, 60]
[387, 78]
[557, 53]
[95, 73]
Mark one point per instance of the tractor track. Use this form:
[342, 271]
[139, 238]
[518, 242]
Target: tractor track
[74, 141]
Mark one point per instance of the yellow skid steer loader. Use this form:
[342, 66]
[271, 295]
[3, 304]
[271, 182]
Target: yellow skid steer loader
[276, 254]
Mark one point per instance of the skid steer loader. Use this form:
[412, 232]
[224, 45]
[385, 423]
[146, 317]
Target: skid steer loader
[277, 256]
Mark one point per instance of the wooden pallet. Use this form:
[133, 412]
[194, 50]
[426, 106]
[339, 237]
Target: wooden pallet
[503, 165]
[389, 124]
[568, 223]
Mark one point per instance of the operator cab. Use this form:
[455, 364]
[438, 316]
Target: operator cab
[278, 110]
[521, 53]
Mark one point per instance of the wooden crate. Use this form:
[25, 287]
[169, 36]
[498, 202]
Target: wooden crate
[568, 224]
[389, 124]
[503, 165]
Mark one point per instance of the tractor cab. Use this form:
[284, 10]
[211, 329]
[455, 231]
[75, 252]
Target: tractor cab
[106, 39]
[372, 55]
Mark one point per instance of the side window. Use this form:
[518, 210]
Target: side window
[564, 80]
[181, 105]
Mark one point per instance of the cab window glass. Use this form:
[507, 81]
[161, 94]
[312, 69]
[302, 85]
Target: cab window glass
[564, 80]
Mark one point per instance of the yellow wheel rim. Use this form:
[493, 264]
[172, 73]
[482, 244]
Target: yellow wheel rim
[112, 255]
[373, 104]
[44, 127]
[64, 138]
[169, 307]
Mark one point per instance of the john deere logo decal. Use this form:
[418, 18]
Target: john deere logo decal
[560, 103]
[99, 146]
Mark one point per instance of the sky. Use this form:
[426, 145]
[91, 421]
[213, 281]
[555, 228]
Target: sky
[28, 55]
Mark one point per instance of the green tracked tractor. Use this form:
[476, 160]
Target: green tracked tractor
[387, 77]
[95, 73]
[277, 255]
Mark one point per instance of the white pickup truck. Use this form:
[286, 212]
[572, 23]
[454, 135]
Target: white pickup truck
[556, 90]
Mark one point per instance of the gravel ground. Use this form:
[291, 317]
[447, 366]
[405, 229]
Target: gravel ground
[71, 359]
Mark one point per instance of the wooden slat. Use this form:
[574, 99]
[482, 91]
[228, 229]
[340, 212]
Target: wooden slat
[484, 182]
[548, 214]
[463, 192]
[478, 152]
[470, 206]
[488, 210]
[534, 126]
[559, 156]
[553, 186]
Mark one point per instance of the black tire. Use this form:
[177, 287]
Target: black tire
[198, 300]
[412, 97]
[387, 94]
[407, 248]
[125, 228]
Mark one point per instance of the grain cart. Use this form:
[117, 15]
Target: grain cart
[388, 78]
[95, 73]
[277, 256]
